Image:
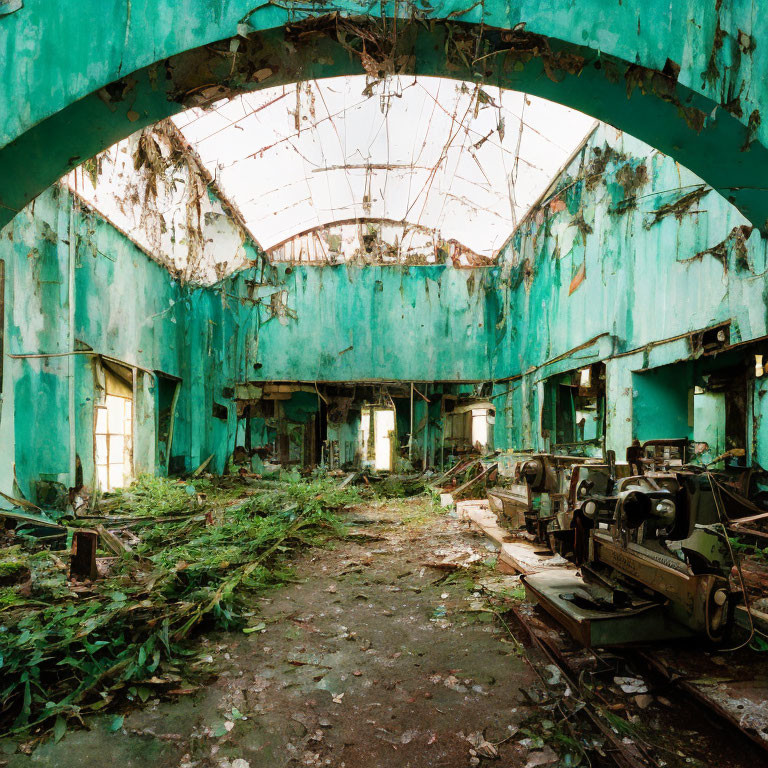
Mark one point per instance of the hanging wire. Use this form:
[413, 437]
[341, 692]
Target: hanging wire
[720, 507]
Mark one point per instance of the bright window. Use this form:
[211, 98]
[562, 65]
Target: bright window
[377, 428]
[385, 426]
[113, 450]
[480, 427]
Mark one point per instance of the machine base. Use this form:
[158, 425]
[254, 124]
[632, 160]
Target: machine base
[644, 622]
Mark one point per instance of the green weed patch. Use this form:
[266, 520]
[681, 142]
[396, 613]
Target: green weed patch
[203, 550]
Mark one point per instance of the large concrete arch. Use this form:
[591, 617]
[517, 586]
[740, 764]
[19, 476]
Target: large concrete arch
[684, 78]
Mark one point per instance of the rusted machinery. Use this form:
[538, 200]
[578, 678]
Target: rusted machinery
[536, 494]
[654, 560]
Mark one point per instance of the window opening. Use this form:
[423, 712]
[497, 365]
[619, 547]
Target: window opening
[113, 429]
[574, 410]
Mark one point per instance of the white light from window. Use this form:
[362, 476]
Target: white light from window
[113, 431]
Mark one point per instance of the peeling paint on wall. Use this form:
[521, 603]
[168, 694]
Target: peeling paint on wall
[677, 260]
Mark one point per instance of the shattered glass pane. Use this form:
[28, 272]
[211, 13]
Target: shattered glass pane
[101, 421]
[116, 447]
[116, 413]
[101, 449]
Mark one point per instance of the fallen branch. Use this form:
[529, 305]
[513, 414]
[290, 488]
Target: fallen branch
[462, 488]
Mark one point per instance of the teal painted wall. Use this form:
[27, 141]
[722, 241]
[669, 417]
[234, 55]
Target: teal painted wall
[125, 306]
[625, 255]
[351, 323]
[49, 421]
[660, 403]
[343, 324]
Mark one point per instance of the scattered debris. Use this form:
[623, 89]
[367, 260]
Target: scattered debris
[544, 756]
[481, 747]
[643, 700]
[631, 684]
[90, 643]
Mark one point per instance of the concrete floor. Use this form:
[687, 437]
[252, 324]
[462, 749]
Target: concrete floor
[373, 659]
[376, 659]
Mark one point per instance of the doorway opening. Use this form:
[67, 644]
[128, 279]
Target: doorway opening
[377, 437]
[482, 428]
[709, 401]
[574, 409]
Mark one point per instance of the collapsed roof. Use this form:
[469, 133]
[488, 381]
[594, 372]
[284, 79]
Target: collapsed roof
[460, 162]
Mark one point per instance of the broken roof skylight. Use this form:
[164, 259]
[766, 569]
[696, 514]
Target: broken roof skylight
[451, 156]
[374, 241]
[446, 167]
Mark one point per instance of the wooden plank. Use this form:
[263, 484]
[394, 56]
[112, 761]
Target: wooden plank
[459, 466]
[22, 503]
[199, 470]
[519, 555]
[348, 479]
[479, 512]
[503, 567]
[32, 518]
[741, 531]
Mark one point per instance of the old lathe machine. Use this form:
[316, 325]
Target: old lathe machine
[650, 556]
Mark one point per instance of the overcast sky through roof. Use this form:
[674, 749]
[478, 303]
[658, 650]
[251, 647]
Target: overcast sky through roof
[429, 151]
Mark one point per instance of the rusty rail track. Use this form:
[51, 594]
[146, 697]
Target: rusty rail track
[624, 755]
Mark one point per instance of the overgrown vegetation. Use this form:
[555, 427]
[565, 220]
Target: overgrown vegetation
[415, 511]
[198, 557]
[746, 548]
